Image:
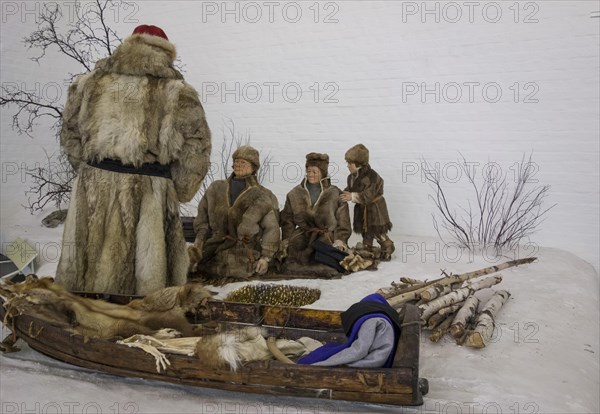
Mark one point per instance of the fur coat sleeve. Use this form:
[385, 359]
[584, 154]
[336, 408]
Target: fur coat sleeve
[368, 185]
[189, 170]
[70, 136]
[287, 220]
[343, 229]
[270, 237]
[261, 219]
[201, 224]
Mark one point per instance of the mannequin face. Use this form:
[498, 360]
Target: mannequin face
[313, 175]
[352, 167]
[241, 168]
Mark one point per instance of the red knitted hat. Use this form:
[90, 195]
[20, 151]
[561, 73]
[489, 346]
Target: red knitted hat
[150, 30]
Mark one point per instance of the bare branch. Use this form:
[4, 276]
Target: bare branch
[85, 40]
[503, 216]
[52, 184]
[232, 140]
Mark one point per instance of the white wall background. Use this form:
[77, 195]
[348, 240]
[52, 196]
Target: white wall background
[363, 70]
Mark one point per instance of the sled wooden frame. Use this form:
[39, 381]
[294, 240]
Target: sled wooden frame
[399, 385]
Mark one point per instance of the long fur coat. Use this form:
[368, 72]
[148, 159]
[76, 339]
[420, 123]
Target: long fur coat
[327, 220]
[232, 237]
[371, 216]
[123, 233]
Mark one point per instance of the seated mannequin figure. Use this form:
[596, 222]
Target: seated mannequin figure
[237, 227]
[313, 215]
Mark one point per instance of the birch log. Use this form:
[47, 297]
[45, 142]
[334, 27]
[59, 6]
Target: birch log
[435, 320]
[412, 292]
[442, 314]
[463, 316]
[484, 327]
[456, 296]
[439, 332]
[451, 298]
[435, 291]
[483, 283]
[451, 309]
[461, 339]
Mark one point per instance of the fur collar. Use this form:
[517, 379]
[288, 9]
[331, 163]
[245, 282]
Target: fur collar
[325, 183]
[251, 179]
[362, 171]
[142, 55]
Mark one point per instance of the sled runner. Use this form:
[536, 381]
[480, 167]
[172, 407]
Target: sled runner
[398, 385]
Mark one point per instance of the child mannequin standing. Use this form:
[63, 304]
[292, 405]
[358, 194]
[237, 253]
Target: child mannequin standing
[365, 189]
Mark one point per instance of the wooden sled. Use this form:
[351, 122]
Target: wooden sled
[399, 385]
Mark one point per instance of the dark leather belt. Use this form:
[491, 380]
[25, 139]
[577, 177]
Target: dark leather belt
[154, 169]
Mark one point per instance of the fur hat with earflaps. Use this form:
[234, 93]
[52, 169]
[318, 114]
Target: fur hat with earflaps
[358, 154]
[321, 161]
[248, 153]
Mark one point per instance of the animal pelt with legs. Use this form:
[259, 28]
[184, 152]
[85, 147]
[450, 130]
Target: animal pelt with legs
[43, 299]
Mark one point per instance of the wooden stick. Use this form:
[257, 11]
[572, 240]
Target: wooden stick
[484, 328]
[397, 288]
[411, 293]
[411, 281]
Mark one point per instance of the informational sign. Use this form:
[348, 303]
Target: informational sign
[20, 253]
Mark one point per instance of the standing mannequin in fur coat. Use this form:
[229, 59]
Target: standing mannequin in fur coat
[237, 226]
[365, 189]
[313, 211]
[136, 134]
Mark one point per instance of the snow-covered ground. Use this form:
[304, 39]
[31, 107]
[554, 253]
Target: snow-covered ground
[545, 358]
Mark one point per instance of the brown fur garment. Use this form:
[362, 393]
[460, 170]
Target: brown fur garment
[123, 233]
[369, 187]
[219, 227]
[328, 214]
[43, 299]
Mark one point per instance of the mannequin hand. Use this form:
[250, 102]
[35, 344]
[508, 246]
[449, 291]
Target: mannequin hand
[346, 196]
[195, 255]
[262, 265]
[283, 246]
[340, 245]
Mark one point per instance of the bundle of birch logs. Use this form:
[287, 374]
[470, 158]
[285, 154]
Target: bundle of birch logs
[449, 305]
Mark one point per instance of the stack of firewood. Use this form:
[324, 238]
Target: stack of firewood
[449, 306]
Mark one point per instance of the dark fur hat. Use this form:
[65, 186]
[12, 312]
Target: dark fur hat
[248, 153]
[358, 154]
[321, 161]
